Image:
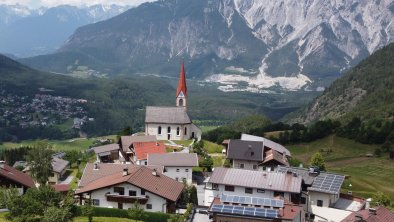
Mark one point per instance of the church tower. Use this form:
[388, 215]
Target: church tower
[181, 92]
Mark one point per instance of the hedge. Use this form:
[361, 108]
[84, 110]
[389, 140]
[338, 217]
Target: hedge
[113, 212]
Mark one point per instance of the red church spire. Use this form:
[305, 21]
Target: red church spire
[182, 82]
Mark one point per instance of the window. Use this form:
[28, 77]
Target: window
[159, 130]
[119, 190]
[303, 200]
[169, 129]
[185, 131]
[186, 170]
[176, 178]
[319, 203]
[260, 191]
[252, 153]
[146, 163]
[180, 102]
[229, 188]
[255, 167]
[96, 202]
[241, 165]
[248, 190]
[215, 186]
[177, 131]
[177, 170]
[142, 192]
[120, 205]
[149, 206]
[132, 193]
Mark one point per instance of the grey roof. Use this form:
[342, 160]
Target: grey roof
[106, 148]
[245, 150]
[173, 159]
[126, 141]
[268, 143]
[257, 179]
[171, 115]
[58, 165]
[322, 182]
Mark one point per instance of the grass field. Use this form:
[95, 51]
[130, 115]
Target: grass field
[366, 174]
[212, 147]
[59, 145]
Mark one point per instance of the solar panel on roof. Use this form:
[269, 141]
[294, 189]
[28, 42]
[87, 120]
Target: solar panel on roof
[330, 183]
[250, 211]
[252, 200]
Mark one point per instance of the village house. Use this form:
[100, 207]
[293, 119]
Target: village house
[143, 149]
[59, 168]
[378, 214]
[109, 153]
[255, 153]
[121, 185]
[178, 166]
[172, 123]
[13, 178]
[126, 144]
[251, 183]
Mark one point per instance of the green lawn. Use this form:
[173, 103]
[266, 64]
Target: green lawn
[366, 174]
[212, 147]
[60, 145]
[183, 142]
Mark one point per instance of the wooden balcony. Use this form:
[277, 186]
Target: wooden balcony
[126, 199]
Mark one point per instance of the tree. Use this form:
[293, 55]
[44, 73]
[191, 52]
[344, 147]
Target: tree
[72, 156]
[207, 163]
[379, 198]
[39, 160]
[136, 212]
[193, 195]
[87, 210]
[54, 214]
[318, 161]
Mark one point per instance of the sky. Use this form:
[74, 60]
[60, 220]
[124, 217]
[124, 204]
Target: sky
[51, 3]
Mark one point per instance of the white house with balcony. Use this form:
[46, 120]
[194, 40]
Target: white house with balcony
[115, 188]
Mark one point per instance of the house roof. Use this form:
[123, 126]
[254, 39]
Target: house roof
[58, 165]
[321, 182]
[126, 141]
[103, 170]
[268, 143]
[142, 149]
[173, 159]
[170, 115]
[245, 150]
[257, 179]
[273, 155]
[61, 187]
[182, 82]
[382, 215]
[142, 177]
[106, 148]
[16, 176]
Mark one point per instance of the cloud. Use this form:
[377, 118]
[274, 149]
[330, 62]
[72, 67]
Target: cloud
[51, 3]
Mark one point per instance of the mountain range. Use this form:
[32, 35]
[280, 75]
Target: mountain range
[243, 45]
[365, 92]
[28, 32]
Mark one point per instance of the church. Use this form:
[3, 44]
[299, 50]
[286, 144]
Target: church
[172, 123]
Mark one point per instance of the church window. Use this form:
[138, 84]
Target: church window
[185, 131]
[180, 102]
[159, 130]
[169, 129]
[177, 131]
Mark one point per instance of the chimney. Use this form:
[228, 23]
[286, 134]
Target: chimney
[368, 203]
[154, 172]
[2, 163]
[125, 171]
[157, 144]
[372, 211]
[95, 167]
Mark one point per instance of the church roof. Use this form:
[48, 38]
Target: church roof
[171, 115]
[182, 82]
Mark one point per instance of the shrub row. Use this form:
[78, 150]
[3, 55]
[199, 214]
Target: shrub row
[113, 212]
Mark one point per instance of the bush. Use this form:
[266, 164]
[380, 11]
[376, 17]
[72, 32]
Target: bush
[113, 212]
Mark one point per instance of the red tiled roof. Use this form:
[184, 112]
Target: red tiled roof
[142, 177]
[182, 82]
[142, 149]
[16, 175]
[382, 215]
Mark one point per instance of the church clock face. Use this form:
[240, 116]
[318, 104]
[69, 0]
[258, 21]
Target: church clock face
[181, 94]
